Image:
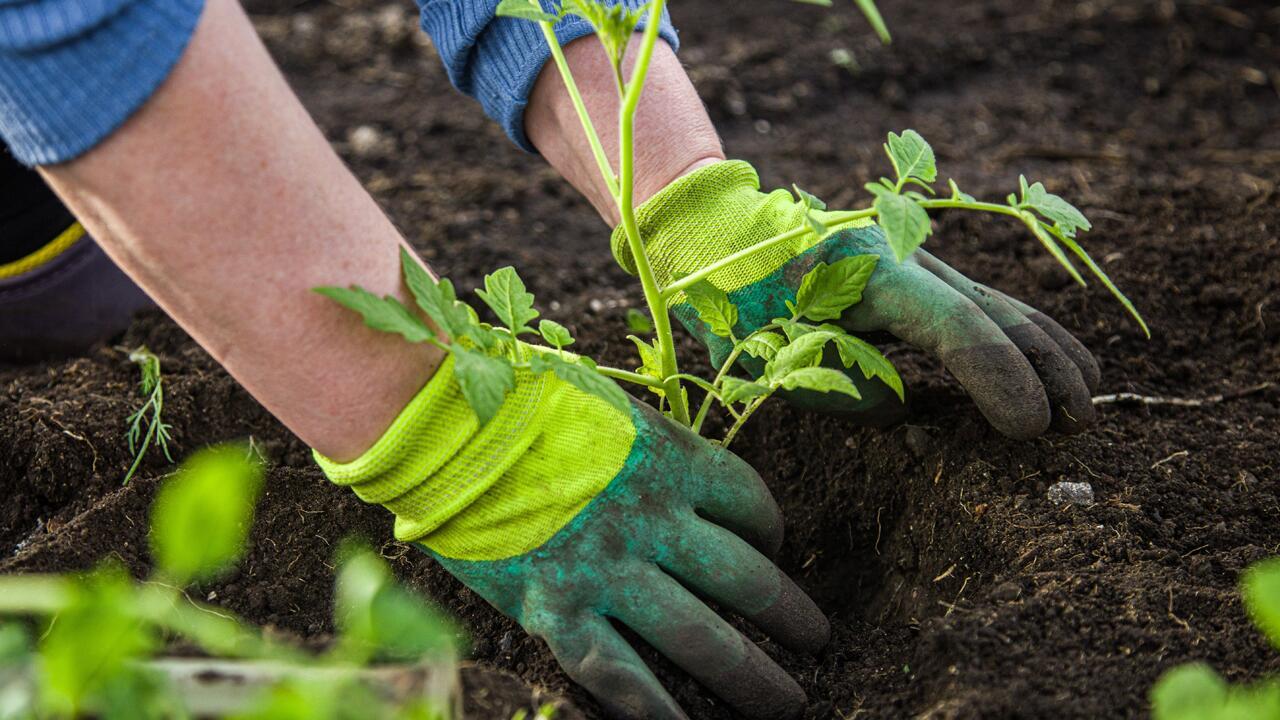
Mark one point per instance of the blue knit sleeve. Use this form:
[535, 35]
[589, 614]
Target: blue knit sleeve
[497, 59]
[72, 71]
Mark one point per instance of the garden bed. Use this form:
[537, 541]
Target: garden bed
[956, 588]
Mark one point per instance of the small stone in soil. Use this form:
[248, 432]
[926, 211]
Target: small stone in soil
[1075, 493]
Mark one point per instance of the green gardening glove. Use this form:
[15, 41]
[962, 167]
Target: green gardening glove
[1022, 369]
[565, 512]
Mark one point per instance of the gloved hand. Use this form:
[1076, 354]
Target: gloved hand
[1022, 369]
[564, 512]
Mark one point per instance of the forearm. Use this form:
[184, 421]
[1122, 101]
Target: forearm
[673, 134]
[222, 199]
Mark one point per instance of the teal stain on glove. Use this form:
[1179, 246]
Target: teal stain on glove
[681, 513]
[565, 512]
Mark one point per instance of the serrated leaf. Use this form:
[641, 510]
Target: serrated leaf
[386, 314]
[803, 351]
[905, 223]
[1260, 589]
[912, 157]
[638, 322]
[820, 379]
[524, 10]
[827, 291]
[736, 390]
[555, 334]
[585, 378]
[485, 380]
[868, 8]
[763, 345]
[1056, 210]
[436, 298]
[713, 307]
[855, 351]
[1188, 692]
[504, 292]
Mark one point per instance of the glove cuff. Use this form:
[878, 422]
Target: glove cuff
[436, 458]
[473, 492]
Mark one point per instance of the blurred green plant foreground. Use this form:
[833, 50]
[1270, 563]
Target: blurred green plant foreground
[97, 631]
[1196, 692]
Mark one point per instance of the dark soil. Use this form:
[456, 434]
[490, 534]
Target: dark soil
[955, 587]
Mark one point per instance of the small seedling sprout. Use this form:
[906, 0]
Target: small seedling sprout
[147, 423]
[102, 629]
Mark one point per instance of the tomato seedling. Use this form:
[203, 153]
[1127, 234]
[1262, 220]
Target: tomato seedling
[790, 347]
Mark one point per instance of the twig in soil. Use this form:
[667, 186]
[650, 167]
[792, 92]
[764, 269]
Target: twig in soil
[1127, 397]
[1175, 456]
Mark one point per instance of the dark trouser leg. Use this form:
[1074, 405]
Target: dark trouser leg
[59, 293]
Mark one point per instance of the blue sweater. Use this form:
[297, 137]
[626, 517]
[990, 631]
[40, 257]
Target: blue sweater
[72, 71]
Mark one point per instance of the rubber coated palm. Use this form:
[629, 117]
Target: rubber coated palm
[1022, 369]
[682, 517]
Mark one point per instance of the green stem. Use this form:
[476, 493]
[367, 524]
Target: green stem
[835, 219]
[628, 376]
[626, 208]
[720, 376]
[602, 160]
[742, 419]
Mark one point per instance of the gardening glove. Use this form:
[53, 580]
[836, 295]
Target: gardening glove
[1023, 370]
[565, 512]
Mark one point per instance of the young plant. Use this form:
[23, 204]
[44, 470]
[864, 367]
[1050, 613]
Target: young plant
[1195, 692]
[94, 656]
[147, 423]
[487, 356]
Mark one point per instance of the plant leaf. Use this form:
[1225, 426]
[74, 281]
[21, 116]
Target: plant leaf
[905, 223]
[638, 322]
[736, 390]
[820, 379]
[956, 194]
[379, 618]
[803, 351]
[912, 157]
[763, 345]
[436, 298]
[525, 10]
[872, 362]
[809, 200]
[1260, 589]
[385, 314]
[1101, 274]
[1188, 692]
[713, 307]
[585, 378]
[202, 513]
[1056, 210]
[827, 291]
[506, 295]
[485, 380]
[868, 8]
[555, 334]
